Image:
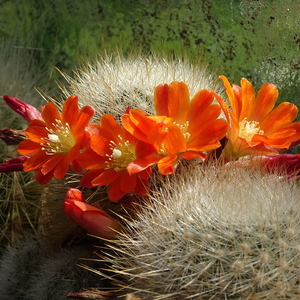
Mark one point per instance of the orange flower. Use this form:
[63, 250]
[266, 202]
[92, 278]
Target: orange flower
[190, 126]
[89, 217]
[55, 142]
[254, 126]
[117, 159]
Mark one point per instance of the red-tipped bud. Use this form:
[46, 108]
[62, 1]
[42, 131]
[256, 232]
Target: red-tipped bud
[14, 164]
[94, 220]
[26, 111]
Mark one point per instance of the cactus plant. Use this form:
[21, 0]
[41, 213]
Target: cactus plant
[112, 83]
[214, 233]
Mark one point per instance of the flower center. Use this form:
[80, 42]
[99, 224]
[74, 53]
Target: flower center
[248, 129]
[121, 156]
[59, 140]
[184, 128]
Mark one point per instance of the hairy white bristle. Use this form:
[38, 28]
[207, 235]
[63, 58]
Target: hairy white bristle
[113, 83]
[211, 233]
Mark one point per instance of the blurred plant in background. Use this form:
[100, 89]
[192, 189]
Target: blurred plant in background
[258, 40]
[20, 195]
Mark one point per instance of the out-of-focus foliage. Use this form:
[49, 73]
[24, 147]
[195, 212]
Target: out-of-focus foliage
[20, 195]
[256, 39]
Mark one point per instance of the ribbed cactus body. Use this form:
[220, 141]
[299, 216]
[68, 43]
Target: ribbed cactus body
[214, 234]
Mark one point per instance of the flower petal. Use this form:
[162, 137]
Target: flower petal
[14, 164]
[85, 115]
[74, 194]
[193, 154]
[80, 145]
[89, 159]
[234, 96]
[142, 186]
[151, 130]
[209, 139]
[43, 178]
[36, 133]
[281, 116]
[51, 163]
[110, 128]
[100, 145]
[201, 101]
[127, 182]
[87, 178]
[70, 111]
[36, 161]
[248, 100]
[28, 147]
[143, 163]
[114, 191]
[62, 168]
[264, 102]
[167, 165]
[106, 177]
[204, 120]
[172, 101]
[50, 115]
[175, 142]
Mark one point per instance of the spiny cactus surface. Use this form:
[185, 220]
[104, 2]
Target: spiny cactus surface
[113, 83]
[214, 234]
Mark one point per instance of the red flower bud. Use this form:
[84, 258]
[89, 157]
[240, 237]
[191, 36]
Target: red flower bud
[14, 164]
[94, 220]
[28, 112]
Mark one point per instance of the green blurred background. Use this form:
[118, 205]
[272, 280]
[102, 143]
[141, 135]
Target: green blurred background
[259, 40]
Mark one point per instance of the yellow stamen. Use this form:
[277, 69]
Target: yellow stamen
[248, 129]
[121, 156]
[184, 128]
[59, 140]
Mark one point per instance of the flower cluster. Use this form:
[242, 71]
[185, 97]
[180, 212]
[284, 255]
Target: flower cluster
[121, 154]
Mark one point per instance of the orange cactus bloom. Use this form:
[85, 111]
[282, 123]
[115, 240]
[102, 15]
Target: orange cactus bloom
[255, 127]
[89, 217]
[117, 159]
[55, 142]
[190, 126]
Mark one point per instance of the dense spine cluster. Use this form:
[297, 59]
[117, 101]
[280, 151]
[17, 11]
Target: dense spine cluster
[114, 83]
[214, 234]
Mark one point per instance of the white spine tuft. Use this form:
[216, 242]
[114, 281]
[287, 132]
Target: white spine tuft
[113, 83]
[214, 234]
